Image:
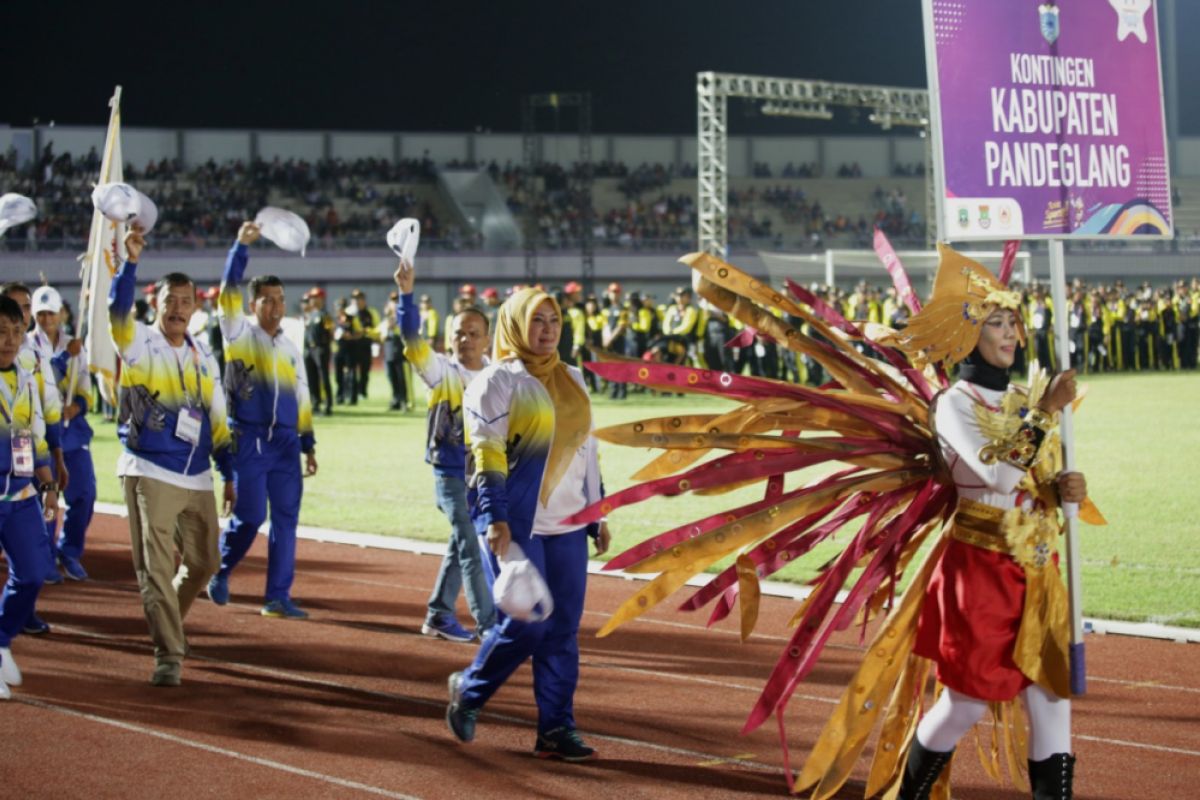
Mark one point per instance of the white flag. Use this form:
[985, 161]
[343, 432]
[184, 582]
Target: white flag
[104, 256]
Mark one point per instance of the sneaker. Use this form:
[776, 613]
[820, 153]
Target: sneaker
[5, 692]
[167, 674]
[35, 626]
[460, 720]
[72, 568]
[53, 577]
[447, 628]
[283, 609]
[218, 589]
[9, 673]
[563, 744]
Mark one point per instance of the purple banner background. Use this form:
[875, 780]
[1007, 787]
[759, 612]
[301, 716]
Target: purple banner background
[973, 41]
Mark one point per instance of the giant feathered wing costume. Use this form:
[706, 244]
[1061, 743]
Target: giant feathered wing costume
[872, 419]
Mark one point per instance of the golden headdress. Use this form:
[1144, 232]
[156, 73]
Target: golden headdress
[964, 295]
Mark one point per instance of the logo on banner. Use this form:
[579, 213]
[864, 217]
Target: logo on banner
[1131, 18]
[1005, 217]
[985, 219]
[964, 218]
[1055, 215]
[1048, 14]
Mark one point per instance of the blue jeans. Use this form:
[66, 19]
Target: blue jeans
[462, 566]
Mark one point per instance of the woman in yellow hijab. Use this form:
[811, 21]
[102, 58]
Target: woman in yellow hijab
[532, 465]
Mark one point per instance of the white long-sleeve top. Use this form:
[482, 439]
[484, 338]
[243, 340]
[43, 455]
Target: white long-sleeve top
[507, 411]
[960, 440]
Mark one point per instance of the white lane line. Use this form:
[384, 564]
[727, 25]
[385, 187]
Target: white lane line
[707, 681]
[1144, 684]
[273, 672]
[1159, 748]
[687, 626]
[220, 751]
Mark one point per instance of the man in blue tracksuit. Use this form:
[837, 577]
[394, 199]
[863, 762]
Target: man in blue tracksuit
[70, 365]
[270, 414]
[24, 475]
[29, 360]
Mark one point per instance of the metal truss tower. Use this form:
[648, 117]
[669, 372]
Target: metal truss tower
[792, 97]
[579, 183]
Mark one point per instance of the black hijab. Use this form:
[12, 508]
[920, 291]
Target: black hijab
[975, 369]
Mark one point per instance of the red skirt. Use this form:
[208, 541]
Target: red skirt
[970, 619]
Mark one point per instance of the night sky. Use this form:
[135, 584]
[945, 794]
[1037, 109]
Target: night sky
[452, 66]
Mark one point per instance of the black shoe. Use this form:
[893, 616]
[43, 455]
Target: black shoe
[460, 720]
[563, 744]
[35, 626]
[922, 771]
[1051, 778]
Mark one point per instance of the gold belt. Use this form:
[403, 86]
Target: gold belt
[980, 525]
[1027, 536]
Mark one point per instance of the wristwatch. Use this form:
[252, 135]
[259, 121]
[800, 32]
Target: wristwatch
[48, 486]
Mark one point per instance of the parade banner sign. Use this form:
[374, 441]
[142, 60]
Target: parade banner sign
[1047, 119]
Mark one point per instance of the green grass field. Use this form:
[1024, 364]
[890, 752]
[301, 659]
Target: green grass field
[1137, 445]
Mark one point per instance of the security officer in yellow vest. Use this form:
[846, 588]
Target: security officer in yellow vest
[574, 329]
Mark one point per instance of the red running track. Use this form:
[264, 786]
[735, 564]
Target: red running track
[350, 703]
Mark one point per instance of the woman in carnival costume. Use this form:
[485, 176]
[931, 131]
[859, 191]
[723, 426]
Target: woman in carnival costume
[973, 468]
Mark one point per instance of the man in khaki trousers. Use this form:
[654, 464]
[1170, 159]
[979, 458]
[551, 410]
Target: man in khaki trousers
[172, 422]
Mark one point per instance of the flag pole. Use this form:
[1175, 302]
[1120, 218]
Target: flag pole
[1058, 289]
[93, 259]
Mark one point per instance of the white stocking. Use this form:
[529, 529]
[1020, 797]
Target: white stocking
[1049, 723]
[952, 716]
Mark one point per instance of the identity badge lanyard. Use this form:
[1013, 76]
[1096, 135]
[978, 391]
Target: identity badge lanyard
[188, 425]
[22, 438]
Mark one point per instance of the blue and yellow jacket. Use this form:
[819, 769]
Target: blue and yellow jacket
[510, 424]
[156, 385]
[446, 378]
[30, 360]
[24, 412]
[265, 381]
[76, 433]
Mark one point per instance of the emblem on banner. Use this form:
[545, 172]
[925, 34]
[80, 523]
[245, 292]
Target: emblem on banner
[1048, 14]
[985, 219]
[1005, 217]
[964, 217]
[1131, 18]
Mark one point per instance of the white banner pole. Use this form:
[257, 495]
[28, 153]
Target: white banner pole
[1058, 289]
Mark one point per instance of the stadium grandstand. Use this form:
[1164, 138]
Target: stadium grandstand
[803, 195]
